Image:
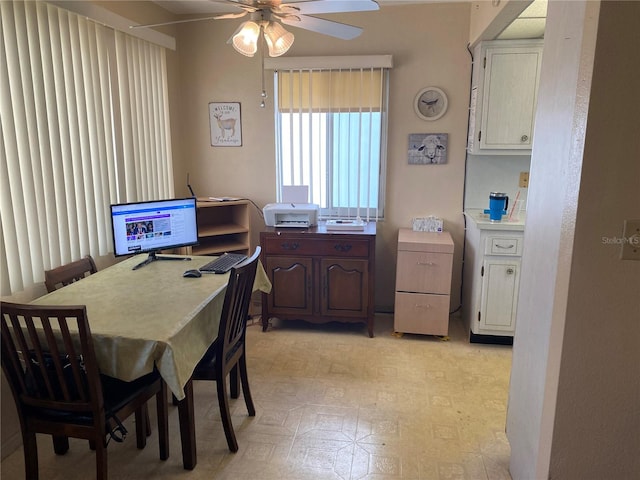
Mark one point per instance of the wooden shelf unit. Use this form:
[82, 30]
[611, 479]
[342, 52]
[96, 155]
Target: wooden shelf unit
[223, 227]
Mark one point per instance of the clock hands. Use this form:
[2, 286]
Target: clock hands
[430, 104]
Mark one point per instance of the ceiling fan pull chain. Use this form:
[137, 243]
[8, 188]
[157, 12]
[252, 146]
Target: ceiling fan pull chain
[262, 42]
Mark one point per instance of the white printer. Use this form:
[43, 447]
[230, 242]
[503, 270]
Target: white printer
[291, 214]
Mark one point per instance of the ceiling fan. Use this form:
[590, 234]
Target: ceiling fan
[265, 16]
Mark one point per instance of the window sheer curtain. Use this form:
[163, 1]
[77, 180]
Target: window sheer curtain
[84, 120]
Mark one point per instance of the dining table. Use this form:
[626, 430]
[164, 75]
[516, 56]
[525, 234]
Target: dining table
[154, 318]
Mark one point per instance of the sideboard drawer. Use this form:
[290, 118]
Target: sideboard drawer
[278, 245]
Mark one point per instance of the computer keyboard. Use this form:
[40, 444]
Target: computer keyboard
[223, 263]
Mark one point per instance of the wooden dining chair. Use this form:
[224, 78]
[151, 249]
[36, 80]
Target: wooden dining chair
[69, 273]
[60, 277]
[49, 360]
[227, 356]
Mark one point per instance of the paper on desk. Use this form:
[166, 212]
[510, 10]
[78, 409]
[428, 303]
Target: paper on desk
[295, 194]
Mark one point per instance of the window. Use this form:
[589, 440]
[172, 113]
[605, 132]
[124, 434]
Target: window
[84, 123]
[331, 135]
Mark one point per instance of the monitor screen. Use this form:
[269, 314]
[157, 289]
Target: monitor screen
[152, 226]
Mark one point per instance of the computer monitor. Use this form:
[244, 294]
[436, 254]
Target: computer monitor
[149, 227]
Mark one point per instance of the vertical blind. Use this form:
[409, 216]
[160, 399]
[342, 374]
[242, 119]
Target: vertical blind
[331, 136]
[84, 123]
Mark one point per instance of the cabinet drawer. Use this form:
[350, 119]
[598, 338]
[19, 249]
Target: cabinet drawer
[421, 313]
[283, 245]
[511, 245]
[424, 272]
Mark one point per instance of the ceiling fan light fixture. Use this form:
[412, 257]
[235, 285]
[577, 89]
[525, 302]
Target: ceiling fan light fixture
[279, 40]
[245, 39]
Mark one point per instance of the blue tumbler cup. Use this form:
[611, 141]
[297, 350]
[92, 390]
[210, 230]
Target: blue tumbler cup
[498, 204]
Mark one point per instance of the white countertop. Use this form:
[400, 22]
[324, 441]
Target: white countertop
[482, 221]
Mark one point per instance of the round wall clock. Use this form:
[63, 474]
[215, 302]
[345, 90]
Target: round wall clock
[430, 103]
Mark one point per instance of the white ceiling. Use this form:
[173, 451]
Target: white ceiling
[530, 24]
[185, 7]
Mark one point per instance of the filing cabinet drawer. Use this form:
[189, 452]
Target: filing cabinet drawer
[421, 313]
[503, 245]
[424, 272]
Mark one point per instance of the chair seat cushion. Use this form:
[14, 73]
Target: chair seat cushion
[116, 393]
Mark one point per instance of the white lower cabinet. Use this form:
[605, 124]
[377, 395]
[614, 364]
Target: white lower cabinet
[499, 299]
[491, 282]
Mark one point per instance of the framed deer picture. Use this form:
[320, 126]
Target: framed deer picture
[225, 124]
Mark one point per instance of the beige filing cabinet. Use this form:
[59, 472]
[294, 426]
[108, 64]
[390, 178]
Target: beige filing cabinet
[423, 282]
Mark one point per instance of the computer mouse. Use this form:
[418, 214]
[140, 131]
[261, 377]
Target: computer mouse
[192, 273]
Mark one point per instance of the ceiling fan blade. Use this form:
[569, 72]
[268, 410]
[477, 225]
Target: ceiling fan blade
[150, 25]
[248, 5]
[314, 7]
[326, 27]
[231, 15]
[244, 5]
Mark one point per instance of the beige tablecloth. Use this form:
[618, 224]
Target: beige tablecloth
[152, 316]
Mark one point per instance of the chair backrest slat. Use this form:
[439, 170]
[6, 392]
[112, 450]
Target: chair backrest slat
[75, 361]
[10, 353]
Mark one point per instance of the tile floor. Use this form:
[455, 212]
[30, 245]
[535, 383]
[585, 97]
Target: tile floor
[333, 404]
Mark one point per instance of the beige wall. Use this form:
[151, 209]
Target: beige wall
[428, 44]
[574, 395]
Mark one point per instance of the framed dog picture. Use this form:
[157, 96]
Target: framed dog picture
[225, 124]
[428, 148]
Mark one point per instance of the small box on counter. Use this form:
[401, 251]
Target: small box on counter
[427, 224]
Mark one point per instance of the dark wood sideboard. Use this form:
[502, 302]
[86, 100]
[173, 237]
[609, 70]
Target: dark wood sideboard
[319, 276]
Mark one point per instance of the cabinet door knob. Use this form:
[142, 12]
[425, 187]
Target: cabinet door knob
[524, 138]
[510, 271]
[422, 306]
[505, 247]
[428, 264]
[290, 246]
[341, 247]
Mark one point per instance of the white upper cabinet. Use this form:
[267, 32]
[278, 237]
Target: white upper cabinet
[504, 91]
